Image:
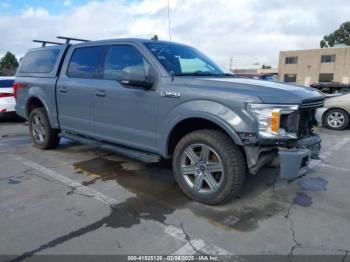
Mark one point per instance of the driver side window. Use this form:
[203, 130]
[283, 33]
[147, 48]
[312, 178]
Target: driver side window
[123, 58]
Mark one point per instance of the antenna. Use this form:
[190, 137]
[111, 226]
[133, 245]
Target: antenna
[155, 38]
[68, 39]
[169, 24]
[46, 42]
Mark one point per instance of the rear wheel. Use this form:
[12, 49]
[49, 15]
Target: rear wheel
[43, 136]
[209, 167]
[336, 119]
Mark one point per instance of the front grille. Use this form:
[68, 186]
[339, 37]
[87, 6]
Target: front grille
[312, 103]
[302, 122]
[307, 121]
[307, 118]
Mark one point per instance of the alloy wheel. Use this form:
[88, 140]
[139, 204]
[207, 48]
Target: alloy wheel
[38, 129]
[202, 168]
[336, 119]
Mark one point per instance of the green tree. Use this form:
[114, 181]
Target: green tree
[8, 64]
[339, 36]
[266, 67]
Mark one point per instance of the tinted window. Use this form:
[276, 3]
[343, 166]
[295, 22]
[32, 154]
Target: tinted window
[290, 78]
[327, 58]
[292, 60]
[124, 58]
[39, 61]
[6, 83]
[326, 78]
[86, 62]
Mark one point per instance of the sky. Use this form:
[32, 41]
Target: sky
[250, 32]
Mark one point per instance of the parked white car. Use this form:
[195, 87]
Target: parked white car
[7, 100]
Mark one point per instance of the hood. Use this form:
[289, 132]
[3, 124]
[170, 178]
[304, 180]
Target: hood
[268, 91]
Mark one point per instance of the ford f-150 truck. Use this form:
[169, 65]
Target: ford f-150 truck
[150, 99]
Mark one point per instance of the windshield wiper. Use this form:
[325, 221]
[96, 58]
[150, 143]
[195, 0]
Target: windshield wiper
[230, 75]
[201, 73]
[197, 73]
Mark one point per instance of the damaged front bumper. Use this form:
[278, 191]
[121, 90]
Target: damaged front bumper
[293, 159]
[295, 162]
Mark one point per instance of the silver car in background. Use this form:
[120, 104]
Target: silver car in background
[335, 113]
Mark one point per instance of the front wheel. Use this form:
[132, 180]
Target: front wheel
[209, 167]
[43, 136]
[336, 119]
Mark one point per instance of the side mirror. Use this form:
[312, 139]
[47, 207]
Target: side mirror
[136, 76]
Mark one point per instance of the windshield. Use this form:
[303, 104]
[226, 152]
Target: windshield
[183, 60]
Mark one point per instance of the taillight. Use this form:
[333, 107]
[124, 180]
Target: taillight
[17, 86]
[5, 95]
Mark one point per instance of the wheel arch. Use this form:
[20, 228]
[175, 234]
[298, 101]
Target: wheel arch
[331, 108]
[36, 102]
[337, 107]
[32, 103]
[193, 123]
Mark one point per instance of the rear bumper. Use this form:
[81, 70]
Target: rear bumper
[7, 106]
[10, 114]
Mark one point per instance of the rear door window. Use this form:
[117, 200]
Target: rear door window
[42, 61]
[6, 83]
[87, 62]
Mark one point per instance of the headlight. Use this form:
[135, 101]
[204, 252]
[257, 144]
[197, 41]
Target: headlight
[269, 116]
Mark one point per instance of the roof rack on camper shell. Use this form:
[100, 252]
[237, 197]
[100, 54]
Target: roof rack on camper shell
[68, 39]
[46, 42]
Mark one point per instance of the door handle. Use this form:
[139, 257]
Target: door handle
[100, 93]
[63, 89]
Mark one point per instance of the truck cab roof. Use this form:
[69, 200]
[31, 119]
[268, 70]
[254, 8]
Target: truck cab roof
[46, 61]
[105, 41]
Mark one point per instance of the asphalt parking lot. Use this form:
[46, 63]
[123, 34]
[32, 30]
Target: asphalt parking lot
[78, 200]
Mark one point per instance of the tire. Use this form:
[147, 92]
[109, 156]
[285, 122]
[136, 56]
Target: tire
[196, 179]
[39, 124]
[336, 119]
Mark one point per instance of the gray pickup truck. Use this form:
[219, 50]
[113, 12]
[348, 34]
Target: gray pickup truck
[150, 99]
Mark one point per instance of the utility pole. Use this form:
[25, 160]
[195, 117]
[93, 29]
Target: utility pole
[231, 59]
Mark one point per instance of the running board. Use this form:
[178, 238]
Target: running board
[127, 152]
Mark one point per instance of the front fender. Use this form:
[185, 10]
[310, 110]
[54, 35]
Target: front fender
[219, 114]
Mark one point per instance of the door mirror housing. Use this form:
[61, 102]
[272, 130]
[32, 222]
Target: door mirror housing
[136, 76]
